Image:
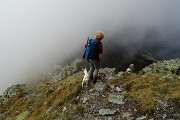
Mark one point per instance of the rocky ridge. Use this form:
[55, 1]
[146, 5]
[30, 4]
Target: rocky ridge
[166, 66]
[106, 100]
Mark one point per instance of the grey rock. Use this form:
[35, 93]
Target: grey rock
[112, 86]
[107, 112]
[60, 76]
[49, 110]
[126, 115]
[46, 76]
[85, 99]
[64, 109]
[2, 115]
[109, 118]
[103, 96]
[162, 103]
[57, 69]
[164, 116]
[76, 65]
[166, 67]
[177, 115]
[167, 77]
[131, 68]
[99, 86]
[141, 118]
[110, 77]
[119, 89]
[32, 92]
[146, 70]
[119, 74]
[11, 91]
[61, 73]
[109, 73]
[117, 99]
[77, 97]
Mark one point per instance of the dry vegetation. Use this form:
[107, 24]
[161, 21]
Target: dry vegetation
[48, 101]
[147, 89]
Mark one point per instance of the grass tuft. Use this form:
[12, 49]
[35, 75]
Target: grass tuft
[50, 97]
[146, 89]
[79, 110]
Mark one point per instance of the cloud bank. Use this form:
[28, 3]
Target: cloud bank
[36, 34]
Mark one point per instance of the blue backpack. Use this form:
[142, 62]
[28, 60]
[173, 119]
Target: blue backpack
[91, 50]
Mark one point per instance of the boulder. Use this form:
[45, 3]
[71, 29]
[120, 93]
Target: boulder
[166, 67]
[107, 112]
[119, 74]
[126, 115]
[108, 72]
[141, 118]
[11, 91]
[60, 73]
[76, 65]
[85, 99]
[130, 68]
[117, 99]
[99, 86]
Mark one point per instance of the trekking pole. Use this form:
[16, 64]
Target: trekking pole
[84, 52]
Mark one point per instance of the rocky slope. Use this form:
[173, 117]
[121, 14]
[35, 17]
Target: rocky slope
[167, 67]
[153, 94]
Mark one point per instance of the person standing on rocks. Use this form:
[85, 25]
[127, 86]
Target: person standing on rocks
[93, 48]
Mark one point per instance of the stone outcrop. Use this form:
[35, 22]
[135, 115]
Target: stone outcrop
[165, 67]
[11, 91]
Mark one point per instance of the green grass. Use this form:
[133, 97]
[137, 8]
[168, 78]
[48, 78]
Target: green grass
[61, 94]
[79, 110]
[146, 89]
[67, 117]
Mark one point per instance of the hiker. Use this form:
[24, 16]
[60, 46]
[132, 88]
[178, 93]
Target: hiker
[93, 48]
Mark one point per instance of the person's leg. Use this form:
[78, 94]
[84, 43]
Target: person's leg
[95, 73]
[91, 70]
[96, 70]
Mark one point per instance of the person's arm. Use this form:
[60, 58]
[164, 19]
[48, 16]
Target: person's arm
[100, 48]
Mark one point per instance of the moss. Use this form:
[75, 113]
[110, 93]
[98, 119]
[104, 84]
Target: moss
[9, 118]
[74, 101]
[92, 101]
[21, 116]
[67, 116]
[79, 110]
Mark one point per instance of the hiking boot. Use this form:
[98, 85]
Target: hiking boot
[91, 77]
[94, 80]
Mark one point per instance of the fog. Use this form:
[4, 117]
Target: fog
[36, 34]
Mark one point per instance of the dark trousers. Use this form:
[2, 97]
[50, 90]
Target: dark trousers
[94, 69]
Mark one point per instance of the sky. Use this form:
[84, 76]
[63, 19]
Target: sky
[36, 34]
